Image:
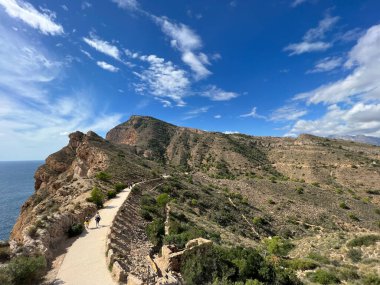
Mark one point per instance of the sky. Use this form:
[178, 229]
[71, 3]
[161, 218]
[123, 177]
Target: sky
[263, 68]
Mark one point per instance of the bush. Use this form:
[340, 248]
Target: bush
[119, 187]
[354, 254]
[323, 277]
[302, 264]
[4, 253]
[27, 270]
[371, 279]
[155, 231]
[219, 265]
[278, 246]
[111, 194]
[162, 199]
[32, 232]
[103, 176]
[5, 277]
[299, 190]
[318, 257]
[75, 230]
[366, 240]
[258, 221]
[353, 217]
[343, 205]
[97, 197]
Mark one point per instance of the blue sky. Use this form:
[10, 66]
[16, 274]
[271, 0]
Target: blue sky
[277, 68]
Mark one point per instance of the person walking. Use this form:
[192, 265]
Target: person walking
[87, 222]
[97, 219]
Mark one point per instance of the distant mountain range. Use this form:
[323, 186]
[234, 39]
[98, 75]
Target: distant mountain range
[359, 138]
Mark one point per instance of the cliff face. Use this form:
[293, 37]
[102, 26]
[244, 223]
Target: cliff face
[62, 185]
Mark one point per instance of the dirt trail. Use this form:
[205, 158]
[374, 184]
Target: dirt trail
[85, 261]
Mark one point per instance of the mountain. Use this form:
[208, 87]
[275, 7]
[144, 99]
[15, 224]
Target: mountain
[359, 138]
[299, 202]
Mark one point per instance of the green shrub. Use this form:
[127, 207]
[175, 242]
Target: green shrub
[75, 230]
[343, 205]
[111, 194]
[366, 240]
[97, 197]
[119, 187]
[299, 190]
[353, 217]
[155, 231]
[103, 176]
[302, 264]
[348, 274]
[371, 279]
[278, 246]
[354, 254]
[5, 277]
[258, 221]
[32, 231]
[27, 270]
[271, 202]
[316, 184]
[318, 257]
[162, 199]
[323, 277]
[4, 253]
[377, 211]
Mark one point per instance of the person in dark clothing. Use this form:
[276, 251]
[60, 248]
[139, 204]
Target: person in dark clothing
[97, 219]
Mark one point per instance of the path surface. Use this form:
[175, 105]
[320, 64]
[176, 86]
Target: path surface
[85, 260]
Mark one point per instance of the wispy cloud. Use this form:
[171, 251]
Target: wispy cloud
[296, 3]
[188, 43]
[163, 79]
[195, 113]
[107, 66]
[217, 94]
[313, 39]
[102, 46]
[287, 113]
[86, 5]
[218, 116]
[43, 21]
[253, 114]
[127, 4]
[327, 64]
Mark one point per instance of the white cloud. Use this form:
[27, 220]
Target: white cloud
[312, 40]
[187, 42]
[305, 47]
[217, 94]
[127, 4]
[86, 5]
[231, 132]
[28, 14]
[319, 32]
[31, 119]
[287, 113]
[363, 81]
[195, 113]
[218, 116]
[64, 7]
[253, 114]
[359, 119]
[86, 53]
[353, 101]
[163, 80]
[102, 46]
[296, 3]
[107, 66]
[327, 64]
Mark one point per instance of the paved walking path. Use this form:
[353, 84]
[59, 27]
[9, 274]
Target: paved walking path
[85, 260]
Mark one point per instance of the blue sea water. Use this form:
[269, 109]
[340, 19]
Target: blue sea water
[16, 185]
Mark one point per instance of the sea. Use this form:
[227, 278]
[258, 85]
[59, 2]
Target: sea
[16, 185]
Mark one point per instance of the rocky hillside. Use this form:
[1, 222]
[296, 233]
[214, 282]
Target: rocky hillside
[300, 202]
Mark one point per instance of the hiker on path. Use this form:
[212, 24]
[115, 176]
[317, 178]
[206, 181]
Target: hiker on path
[87, 222]
[97, 219]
